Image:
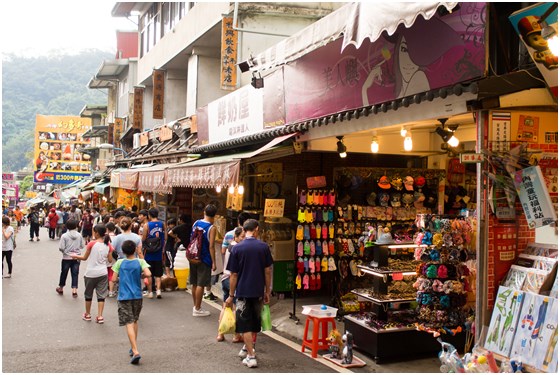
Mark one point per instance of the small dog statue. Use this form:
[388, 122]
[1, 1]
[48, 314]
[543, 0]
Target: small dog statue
[169, 284]
[347, 355]
[336, 344]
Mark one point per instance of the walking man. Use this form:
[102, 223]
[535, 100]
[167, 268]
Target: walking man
[201, 273]
[250, 264]
[34, 225]
[153, 239]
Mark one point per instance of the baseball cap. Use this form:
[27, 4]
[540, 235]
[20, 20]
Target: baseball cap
[409, 183]
[420, 181]
[383, 183]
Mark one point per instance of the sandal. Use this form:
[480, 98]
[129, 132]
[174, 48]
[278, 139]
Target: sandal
[237, 339]
[86, 317]
[99, 320]
[74, 294]
[220, 338]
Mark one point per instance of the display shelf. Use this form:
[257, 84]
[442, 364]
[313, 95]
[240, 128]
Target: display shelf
[389, 330]
[381, 273]
[377, 300]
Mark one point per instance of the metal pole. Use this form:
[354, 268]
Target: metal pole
[482, 230]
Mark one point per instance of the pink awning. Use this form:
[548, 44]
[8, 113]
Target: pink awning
[153, 179]
[204, 173]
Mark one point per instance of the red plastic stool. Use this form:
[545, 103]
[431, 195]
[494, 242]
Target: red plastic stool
[317, 342]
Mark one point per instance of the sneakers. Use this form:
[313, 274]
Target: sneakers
[158, 294]
[149, 295]
[209, 296]
[200, 312]
[250, 362]
[8, 276]
[112, 294]
[244, 353]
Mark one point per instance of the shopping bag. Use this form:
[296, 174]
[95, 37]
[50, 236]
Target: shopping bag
[227, 324]
[266, 323]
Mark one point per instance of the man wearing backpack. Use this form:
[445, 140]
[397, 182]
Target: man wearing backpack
[33, 224]
[153, 238]
[201, 271]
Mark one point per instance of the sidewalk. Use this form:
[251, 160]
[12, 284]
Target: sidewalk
[286, 327]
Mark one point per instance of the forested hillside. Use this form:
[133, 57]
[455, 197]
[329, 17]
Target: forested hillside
[43, 85]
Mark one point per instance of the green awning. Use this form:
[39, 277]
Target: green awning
[101, 186]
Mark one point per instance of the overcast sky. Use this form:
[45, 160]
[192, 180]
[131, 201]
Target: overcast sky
[36, 27]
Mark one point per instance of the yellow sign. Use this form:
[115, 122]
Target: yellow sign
[30, 194]
[228, 75]
[274, 207]
[58, 140]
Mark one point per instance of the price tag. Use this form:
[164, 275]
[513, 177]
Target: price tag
[397, 276]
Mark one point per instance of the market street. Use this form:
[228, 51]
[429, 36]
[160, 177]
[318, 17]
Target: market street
[43, 331]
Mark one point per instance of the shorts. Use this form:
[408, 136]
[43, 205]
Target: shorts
[200, 274]
[248, 315]
[156, 266]
[170, 258]
[129, 311]
[101, 286]
[225, 290]
[87, 232]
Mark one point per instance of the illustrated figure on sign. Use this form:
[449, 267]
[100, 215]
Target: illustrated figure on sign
[412, 56]
[530, 30]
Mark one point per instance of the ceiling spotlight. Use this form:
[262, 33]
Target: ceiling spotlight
[231, 189]
[448, 135]
[374, 145]
[340, 147]
[257, 82]
[403, 132]
[408, 142]
[453, 141]
[240, 190]
[218, 189]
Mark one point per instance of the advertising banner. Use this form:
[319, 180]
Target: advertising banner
[429, 55]
[534, 197]
[138, 108]
[158, 78]
[118, 128]
[57, 141]
[528, 24]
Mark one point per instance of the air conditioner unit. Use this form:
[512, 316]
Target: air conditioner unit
[136, 140]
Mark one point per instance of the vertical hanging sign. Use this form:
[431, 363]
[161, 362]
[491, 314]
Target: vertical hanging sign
[501, 125]
[110, 133]
[228, 74]
[117, 131]
[158, 78]
[138, 108]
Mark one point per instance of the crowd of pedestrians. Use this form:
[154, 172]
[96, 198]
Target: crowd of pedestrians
[128, 253]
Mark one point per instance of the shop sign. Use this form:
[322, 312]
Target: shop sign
[30, 194]
[525, 22]
[152, 181]
[501, 127]
[316, 182]
[228, 71]
[470, 158]
[8, 177]
[128, 179]
[158, 80]
[534, 197]
[12, 190]
[110, 135]
[138, 108]
[204, 176]
[118, 128]
[144, 139]
[57, 141]
[165, 133]
[429, 55]
[235, 115]
[274, 207]
[269, 172]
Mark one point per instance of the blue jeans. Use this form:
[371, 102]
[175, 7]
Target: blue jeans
[74, 267]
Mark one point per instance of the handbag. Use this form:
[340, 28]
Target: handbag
[152, 244]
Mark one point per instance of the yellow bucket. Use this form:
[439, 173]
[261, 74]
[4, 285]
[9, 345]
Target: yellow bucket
[182, 275]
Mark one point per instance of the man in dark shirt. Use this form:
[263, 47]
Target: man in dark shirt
[181, 233]
[250, 264]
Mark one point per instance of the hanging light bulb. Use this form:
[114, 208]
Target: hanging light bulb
[341, 148]
[141, 198]
[218, 189]
[408, 142]
[231, 189]
[453, 141]
[374, 145]
[549, 34]
[403, 132]
[149, 201]
[240, 190]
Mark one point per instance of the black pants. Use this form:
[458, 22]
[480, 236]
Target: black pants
[34, 230]
[73, 266]
[8, 256]
[52, 233]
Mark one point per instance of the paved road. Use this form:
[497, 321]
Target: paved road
[44, 332]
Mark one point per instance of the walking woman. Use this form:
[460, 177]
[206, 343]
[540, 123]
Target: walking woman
[8, 244]
[98, 256]
[53, 222]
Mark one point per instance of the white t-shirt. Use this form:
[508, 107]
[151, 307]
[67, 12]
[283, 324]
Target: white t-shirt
[8, 244]
[97, 262]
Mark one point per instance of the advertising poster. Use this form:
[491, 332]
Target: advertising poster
[534, 197]
[526, 24]
[58, 139]
[504, 321]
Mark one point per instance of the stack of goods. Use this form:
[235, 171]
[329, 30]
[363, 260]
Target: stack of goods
[315, 247]
[442, 275]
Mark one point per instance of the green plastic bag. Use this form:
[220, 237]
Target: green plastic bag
[227, 324]
[266, 322]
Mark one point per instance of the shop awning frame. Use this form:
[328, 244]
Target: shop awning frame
[355, 21]
[101, 186]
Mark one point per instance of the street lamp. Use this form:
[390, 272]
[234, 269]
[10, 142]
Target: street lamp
[108, 146]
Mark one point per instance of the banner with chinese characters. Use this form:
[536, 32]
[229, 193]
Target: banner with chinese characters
[58, 140]
[534, 197]
[228, 71]
[501, 131]
[235, 115]
[274, 207]
[118, 128]
[138, 108]
[158, 78]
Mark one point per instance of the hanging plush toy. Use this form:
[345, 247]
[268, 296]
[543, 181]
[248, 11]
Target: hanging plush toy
[437, 240]
[427, 239]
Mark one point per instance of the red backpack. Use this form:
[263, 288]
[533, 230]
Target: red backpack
[194, 249]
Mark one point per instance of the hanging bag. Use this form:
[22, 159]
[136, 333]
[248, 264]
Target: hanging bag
[266, 322]
[227, 324]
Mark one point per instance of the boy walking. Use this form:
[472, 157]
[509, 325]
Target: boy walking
[130, 272]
